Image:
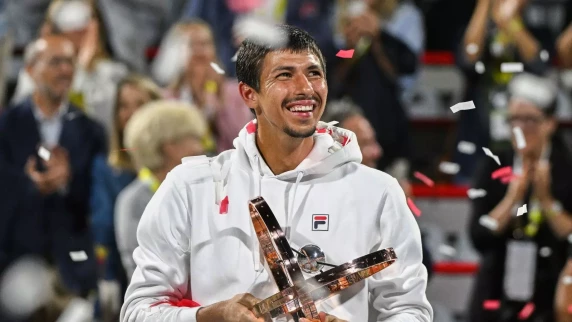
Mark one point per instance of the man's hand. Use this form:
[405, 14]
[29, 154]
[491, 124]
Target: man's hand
[39, 179]
[542, 180]
[368, 24]
[325, 318]
[503, 11]
[59, 171]
[237, 309]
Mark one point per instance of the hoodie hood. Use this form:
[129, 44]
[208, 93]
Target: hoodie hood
[333, 146]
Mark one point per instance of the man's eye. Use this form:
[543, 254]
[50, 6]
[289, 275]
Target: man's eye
[315, 73]
[284, 75]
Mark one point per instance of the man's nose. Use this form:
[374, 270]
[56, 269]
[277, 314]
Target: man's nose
[303, 85]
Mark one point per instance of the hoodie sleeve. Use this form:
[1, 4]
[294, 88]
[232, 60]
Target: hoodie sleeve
[398, 292]
[160, 286]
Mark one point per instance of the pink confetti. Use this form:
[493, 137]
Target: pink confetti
[345, 53]
[424, 178]
[413, 207]
[502, 172]
[491, 305]
[242, 6]
[570, 309]
[508, 179]
[526, 311]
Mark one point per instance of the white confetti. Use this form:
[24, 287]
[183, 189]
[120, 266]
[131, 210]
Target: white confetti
[217, 68]
[544, 55]
[25, 286]
[519, 137]
[466, 147]
[480, 67]
[447, 250]
[449, 167]
[44, 153]
[356, 8]
[234, 58]
[463, 106]
[490, 154]
[261, 32]
[488, 222]
[476, 193]
[512, 68]
[545, 252]
[78, 256]
[78, 310]
[472, 48]
[521, 210]
[567, 280]
[570, 238]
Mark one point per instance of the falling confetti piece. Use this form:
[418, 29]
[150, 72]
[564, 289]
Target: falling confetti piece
[502, 172]
[243, 6]
[77, 310]
[508, 179]
[234, 58]
[526, 311]
[472, 48]
[545, 252]
[345, 53]
[78, 256]
[567, 280]
[491, 305]
[476, 193]
[490, 154]
[519, 137]
[544, 55]
[260, 32]
[447, 250]
[466, 147]
[44, 154]
[217, 68]
[449, 167]
[356, 8]
[521, 210]
[512, 68]
[488, 222]
[413, 207]
[424, 178]
[569, 238]
[463, 106]
[480, 67]
[570, 309]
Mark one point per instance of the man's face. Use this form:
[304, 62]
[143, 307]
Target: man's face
[537, 129]
[292, 93]
[54, 66]
[370, 148]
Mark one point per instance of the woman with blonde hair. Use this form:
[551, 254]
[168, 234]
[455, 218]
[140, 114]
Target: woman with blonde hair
[110, 174]
[157, 137]
[196, 78]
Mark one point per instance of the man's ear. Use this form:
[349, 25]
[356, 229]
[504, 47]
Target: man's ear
[249, 95]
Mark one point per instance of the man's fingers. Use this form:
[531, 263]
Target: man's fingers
[329, 318]
[248, 300]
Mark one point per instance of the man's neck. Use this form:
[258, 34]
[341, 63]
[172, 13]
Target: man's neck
[282, 152]
[160, 174]
[48, 106]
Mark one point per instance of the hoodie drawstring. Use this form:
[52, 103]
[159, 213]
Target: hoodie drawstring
[291, 206]
[255, 243]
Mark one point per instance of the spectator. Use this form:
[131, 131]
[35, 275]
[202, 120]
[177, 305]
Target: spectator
[370, 78]
[52, 191]
[523, 256]
[496, 34]
[110, 174]
[200, 84]
[97, 75]
[157, 137]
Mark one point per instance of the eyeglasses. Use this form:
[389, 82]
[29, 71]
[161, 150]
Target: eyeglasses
[526, 120]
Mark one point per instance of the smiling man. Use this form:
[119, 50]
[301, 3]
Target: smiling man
[198, 257]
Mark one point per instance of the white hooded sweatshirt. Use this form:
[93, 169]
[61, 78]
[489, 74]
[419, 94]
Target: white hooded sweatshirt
[196, 239]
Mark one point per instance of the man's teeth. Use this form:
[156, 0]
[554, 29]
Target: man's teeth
[302, 109]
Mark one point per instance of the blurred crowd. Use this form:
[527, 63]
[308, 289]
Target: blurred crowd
[102, 98]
